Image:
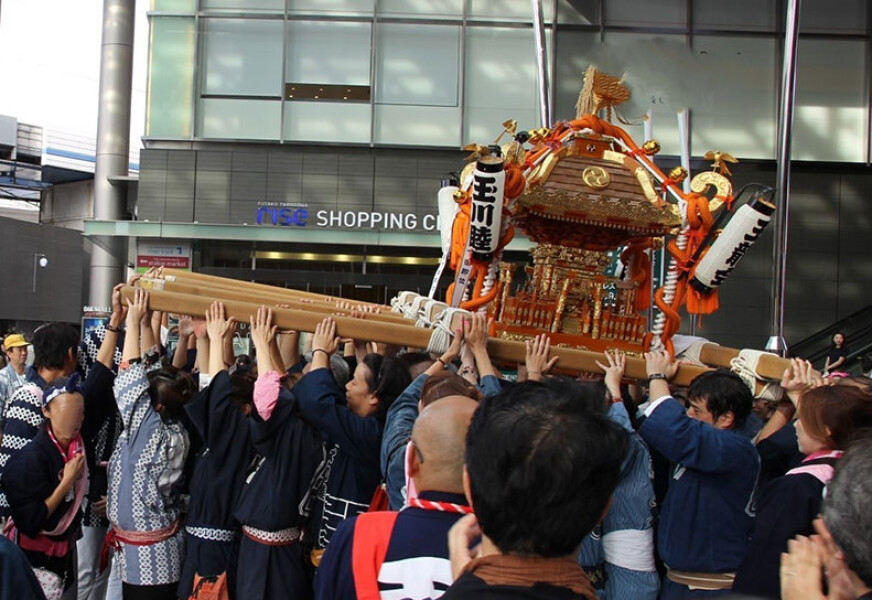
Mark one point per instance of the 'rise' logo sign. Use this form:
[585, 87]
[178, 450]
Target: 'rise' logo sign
[289, 217]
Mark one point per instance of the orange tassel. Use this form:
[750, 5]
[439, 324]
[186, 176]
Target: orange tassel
[702, 304]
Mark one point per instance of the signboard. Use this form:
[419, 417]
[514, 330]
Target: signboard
[176, 255]
[291, 214]
[92, 318]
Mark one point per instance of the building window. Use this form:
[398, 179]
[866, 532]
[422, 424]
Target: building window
[500, 81]
[170, 78]
[243, 5]
[444, 9]
[329, 53]
[239, 119]
[417, 65]
[242, 57]
[830, 119]
[417, 91]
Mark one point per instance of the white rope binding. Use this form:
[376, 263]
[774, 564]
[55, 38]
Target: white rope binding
[440, 337]
[400, 303]
[414, 310]
[671, 283]
[745, 366]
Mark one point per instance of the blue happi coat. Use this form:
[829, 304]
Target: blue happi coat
[143, 471]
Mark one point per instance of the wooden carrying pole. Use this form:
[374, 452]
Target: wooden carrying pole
[769, 366]
[236, 284]
[260, 297]
[392, 333]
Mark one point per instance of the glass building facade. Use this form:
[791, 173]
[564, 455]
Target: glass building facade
[444, 73]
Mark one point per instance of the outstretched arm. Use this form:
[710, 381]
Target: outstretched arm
[186, 330]
[324, 343]
[218, 326]
[475, 334]
[797, 379]
[106, 353]
[136, 311]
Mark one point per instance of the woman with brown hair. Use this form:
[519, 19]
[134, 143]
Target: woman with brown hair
[829, 416]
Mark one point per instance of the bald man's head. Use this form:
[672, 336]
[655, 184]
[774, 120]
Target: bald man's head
[439, 437]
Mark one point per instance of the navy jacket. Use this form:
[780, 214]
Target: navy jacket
[706, 521]
[30, 477]
[416, 564]
[351, 472]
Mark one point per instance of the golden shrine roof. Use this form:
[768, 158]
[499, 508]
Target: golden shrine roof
[613, 192]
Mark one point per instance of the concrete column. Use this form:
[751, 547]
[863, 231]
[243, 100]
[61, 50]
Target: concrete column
[113, 143]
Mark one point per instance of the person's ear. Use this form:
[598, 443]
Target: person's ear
[726, 420]
[72, 359]
[45, 412]
[414, 463]
[467, 488]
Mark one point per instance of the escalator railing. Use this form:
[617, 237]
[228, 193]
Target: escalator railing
[857, 329]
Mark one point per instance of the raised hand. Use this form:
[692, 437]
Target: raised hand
[216, 322]
[324, 337]
[262, 329]
[800, 377]
[659, 361]
[453, 351]
[614, 371]
[119, 309]
[137, 309]
[186, 326]
[475, 331]
[199, 325]
[537, 359]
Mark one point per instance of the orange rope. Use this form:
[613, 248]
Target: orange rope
[640, 273]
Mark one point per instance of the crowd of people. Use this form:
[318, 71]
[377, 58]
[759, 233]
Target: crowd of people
[333, 468]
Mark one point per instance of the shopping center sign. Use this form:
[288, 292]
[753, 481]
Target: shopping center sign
[295, 215]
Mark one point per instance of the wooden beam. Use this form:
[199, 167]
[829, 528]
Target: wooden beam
[769, 366]
[270, 298]
[204, 279]
[393, 333]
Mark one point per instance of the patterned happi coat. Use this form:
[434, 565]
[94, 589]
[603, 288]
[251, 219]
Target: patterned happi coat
[143, 471]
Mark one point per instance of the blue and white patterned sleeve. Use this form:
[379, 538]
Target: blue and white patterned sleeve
[22, 423]
[131, 395]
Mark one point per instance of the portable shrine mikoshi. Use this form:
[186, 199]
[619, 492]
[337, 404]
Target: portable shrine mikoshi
[585, 193]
